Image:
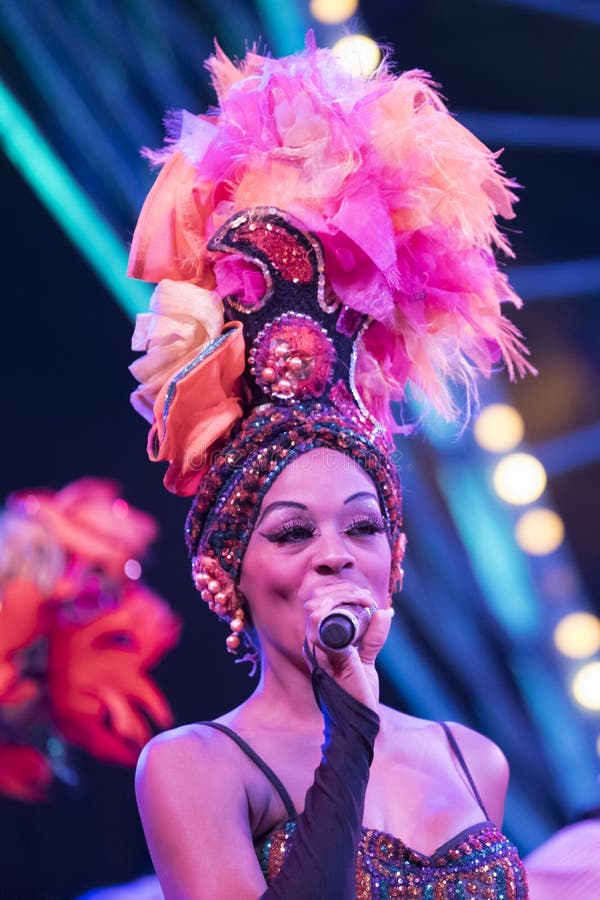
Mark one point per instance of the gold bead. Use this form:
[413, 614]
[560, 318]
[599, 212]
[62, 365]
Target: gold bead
[233, 642]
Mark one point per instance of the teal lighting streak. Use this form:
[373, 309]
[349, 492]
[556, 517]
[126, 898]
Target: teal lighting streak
[570, 451]
[410, 672]
[286, 22]
[77, 111]
[569, 748]
[52, 182]
[569, 278]
[527, 130]
[498, 565]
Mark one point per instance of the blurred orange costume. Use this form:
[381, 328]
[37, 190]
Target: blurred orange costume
[77, 635]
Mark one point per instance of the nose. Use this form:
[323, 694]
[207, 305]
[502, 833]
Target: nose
[331, 553]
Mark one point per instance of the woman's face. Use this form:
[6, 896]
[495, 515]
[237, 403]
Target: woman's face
[320, 524]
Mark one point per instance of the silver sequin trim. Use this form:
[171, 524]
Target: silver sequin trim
[206, 351]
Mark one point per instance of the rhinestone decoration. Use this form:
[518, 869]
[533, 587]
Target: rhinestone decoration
[292, 357]
[287, 256]
[277, 252]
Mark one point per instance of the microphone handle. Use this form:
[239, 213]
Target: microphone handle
[343, 626]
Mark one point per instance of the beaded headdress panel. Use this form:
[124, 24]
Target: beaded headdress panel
[323, 245]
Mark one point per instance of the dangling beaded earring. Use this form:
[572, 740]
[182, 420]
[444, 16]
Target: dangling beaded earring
[237, 626]
[218, 590]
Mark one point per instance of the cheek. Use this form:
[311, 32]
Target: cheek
[378, 569]
[269, 584]
[267, 573]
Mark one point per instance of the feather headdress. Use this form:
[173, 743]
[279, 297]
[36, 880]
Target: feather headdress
[401, 196]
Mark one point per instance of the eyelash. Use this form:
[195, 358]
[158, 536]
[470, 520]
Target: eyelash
[297, 531]
[373, 523]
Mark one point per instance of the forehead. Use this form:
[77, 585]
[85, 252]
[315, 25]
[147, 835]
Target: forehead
[318, 474]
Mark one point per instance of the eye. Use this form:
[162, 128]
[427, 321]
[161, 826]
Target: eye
[290, 533]
[366, 525]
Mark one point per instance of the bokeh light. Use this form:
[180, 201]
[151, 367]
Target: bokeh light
[577, 635]
[358, 53]
[132, 569]
[499, 428]
[519, 478]
[332, 12]
[586, 686]
[539, 531]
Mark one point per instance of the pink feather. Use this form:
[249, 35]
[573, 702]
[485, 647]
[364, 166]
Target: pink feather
[403, 198]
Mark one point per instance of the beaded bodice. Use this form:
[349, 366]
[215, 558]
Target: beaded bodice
[480, 863]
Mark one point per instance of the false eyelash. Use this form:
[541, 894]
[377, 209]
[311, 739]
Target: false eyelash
[288, 528]
[375, 521]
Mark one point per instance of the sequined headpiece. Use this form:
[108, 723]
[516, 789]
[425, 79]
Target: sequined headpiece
[323, 245]
[301, 356]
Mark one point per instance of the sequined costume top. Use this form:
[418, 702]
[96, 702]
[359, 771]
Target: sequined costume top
[480, 863]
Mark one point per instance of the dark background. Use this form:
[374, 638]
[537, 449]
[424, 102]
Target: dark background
[66, 348]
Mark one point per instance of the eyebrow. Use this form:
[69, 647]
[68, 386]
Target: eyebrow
[362, 494]
[278, 504]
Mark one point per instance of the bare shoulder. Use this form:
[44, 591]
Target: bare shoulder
[194, 809]
[178, 773]
[481, 754]
[488, 767]
[180, 755]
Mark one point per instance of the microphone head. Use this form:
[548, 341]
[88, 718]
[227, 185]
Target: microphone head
[338, 630]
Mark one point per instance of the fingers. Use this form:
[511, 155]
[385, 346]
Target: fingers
[353, 666]
[375, 636]
[326, 599]
[323, 599]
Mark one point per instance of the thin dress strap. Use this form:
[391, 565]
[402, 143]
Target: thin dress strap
[457, 752]
[265, 769]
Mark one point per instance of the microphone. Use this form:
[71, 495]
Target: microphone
[344, 625]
